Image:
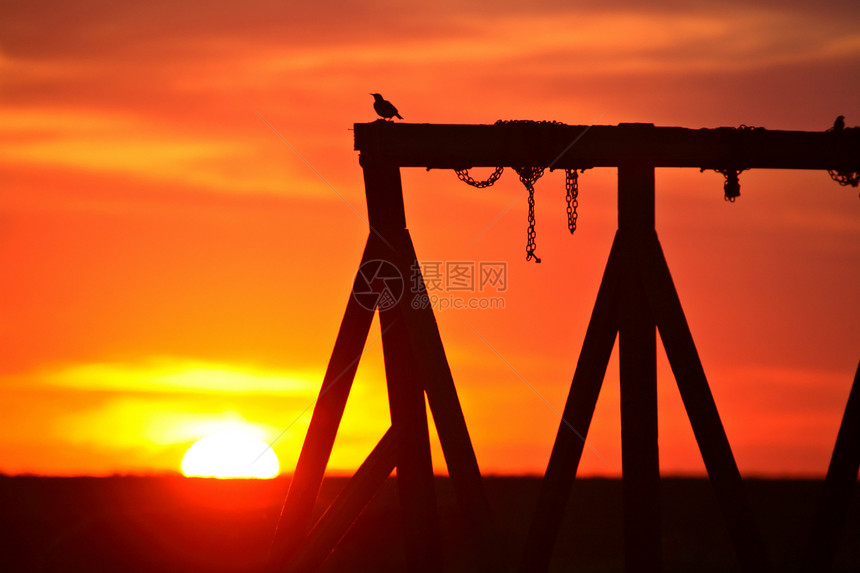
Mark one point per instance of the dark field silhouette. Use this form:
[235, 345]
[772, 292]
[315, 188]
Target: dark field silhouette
[180, 524]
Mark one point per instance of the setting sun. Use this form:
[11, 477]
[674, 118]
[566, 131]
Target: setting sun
[230, 454]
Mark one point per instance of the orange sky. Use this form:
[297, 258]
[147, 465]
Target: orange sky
[169, 265]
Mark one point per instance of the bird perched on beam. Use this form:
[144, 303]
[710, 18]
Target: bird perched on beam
[384, 108]
[839, 124]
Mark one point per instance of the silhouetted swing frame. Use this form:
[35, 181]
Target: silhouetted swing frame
[636, 299]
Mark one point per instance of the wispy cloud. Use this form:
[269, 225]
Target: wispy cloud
[160, 375]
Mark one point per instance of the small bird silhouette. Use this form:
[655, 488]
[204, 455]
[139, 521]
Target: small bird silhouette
[839, 124]
[384, 108]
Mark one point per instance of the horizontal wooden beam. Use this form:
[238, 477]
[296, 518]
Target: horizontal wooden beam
[580, 146]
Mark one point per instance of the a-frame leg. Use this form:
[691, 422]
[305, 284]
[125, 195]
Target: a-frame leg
[328, 411]
[702, 411]
[451, 427]
[837, 489]
[642, 267]
[426, 359]
[415, 480]
[348, 505]
[414, 362]
[573, 429]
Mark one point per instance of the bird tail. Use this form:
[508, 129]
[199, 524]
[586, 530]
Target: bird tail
[398, 116]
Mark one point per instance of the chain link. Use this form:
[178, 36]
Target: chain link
[571, 186]
[463, 175]
[528, 177]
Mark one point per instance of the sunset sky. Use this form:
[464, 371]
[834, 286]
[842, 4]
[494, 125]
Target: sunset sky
[182, 215]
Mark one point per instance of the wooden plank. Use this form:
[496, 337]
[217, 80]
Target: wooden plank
[637, 351]
[451, 427]
[637, 347]
[702, 411]
[328, 411]
[414, 465]
[580, 146]
[576, 418]
[415, 481]
[837, 489]
[348, 505]
[384, 193]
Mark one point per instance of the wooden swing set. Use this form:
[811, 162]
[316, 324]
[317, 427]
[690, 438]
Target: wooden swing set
[636, 300]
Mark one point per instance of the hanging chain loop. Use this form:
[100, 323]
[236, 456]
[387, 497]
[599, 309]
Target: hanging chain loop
[528, 177]
[845, 178]
[732, 185]
[571, 186]
[463, 175]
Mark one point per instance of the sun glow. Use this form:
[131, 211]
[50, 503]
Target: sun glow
[234, 453]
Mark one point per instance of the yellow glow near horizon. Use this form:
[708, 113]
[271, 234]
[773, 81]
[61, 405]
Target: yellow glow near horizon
[165, 374]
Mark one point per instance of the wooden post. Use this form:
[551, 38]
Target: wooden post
[408, 409]
[637, 339]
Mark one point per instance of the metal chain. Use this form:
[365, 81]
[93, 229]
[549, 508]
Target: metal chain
[528, 177]
[845, 178]
[463, 175]
[732, 185]
[571, 186]
[527, 122]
